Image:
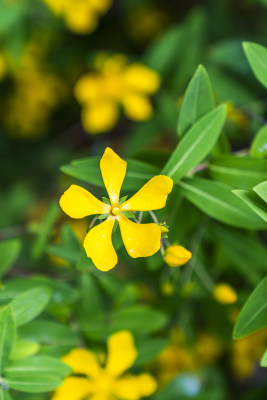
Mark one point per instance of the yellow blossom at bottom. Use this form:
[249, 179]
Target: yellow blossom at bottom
[224, 293]
[176, 256]
[95, 382]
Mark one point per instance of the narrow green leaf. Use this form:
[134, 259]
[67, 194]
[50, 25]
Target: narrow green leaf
[37, 365]
[27, 305]
[261, 190]
[216, 199]
[198, 100]
[7, 335]
[196, 144]
[259, 145]
[9, 251]
[253, 201]
[88, 170]
[32, 383]
[239, 172]
[257, 57]
[253, 315]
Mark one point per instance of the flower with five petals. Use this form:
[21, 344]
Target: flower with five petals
[95, 382]
[140, 240]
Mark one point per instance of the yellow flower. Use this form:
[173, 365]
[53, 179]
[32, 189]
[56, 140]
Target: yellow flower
[105, 383]
[140, 240]
[175, 256]
[81, 16]
[36, 94]
[116, 83]
[224, 293]
[237, 117]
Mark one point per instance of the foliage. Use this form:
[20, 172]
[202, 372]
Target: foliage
[174, 90]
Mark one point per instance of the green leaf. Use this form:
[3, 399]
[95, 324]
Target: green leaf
[27, 305]
[257, 57]
[197, 102]
[23, 349]
[7, 335]
[240, 251]
[91, 302]
[55, 339]
[38, 365]
[263, 362]
[216, 200]
[148, 349]
[88, 170]
[32, 383]
[140, 320]
[254, 202]
[69, 248]
[240, 172]
[9, 251]
[196, 144]
[259, 145]
[45, 231]
[4, 395]
[261, 190]
[253, 315]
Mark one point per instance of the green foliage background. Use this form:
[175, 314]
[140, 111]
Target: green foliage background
[208, 133]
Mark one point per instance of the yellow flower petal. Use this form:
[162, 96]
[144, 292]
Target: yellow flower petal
[135, 387]
[138, 77]
[100, 117]
[80, 21]
[82, 361]
[137, 107]
[98, 246]
[89, 88]
[152, 196]
[140, 240]
[79, 203]
[121, 353]
[176, 256]
[73, 388]
[113, 170]
[99, 396]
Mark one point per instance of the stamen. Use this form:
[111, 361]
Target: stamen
[115, 210]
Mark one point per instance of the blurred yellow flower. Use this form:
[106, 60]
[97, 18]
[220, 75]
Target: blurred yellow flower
[105, 383]
[36, 93]
[80, 16]
[176, 256]
[116, 83]
[237, 117]
[3, 66]
[247, 352]
[140, 240]
[181, 355]
[224, 293]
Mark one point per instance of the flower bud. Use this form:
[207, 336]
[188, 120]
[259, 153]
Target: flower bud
[224, 293]
[164, 229]
[175, 256]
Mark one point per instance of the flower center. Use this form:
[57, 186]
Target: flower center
[115, 210]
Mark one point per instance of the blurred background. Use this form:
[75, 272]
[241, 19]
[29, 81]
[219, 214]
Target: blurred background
[75, 79]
